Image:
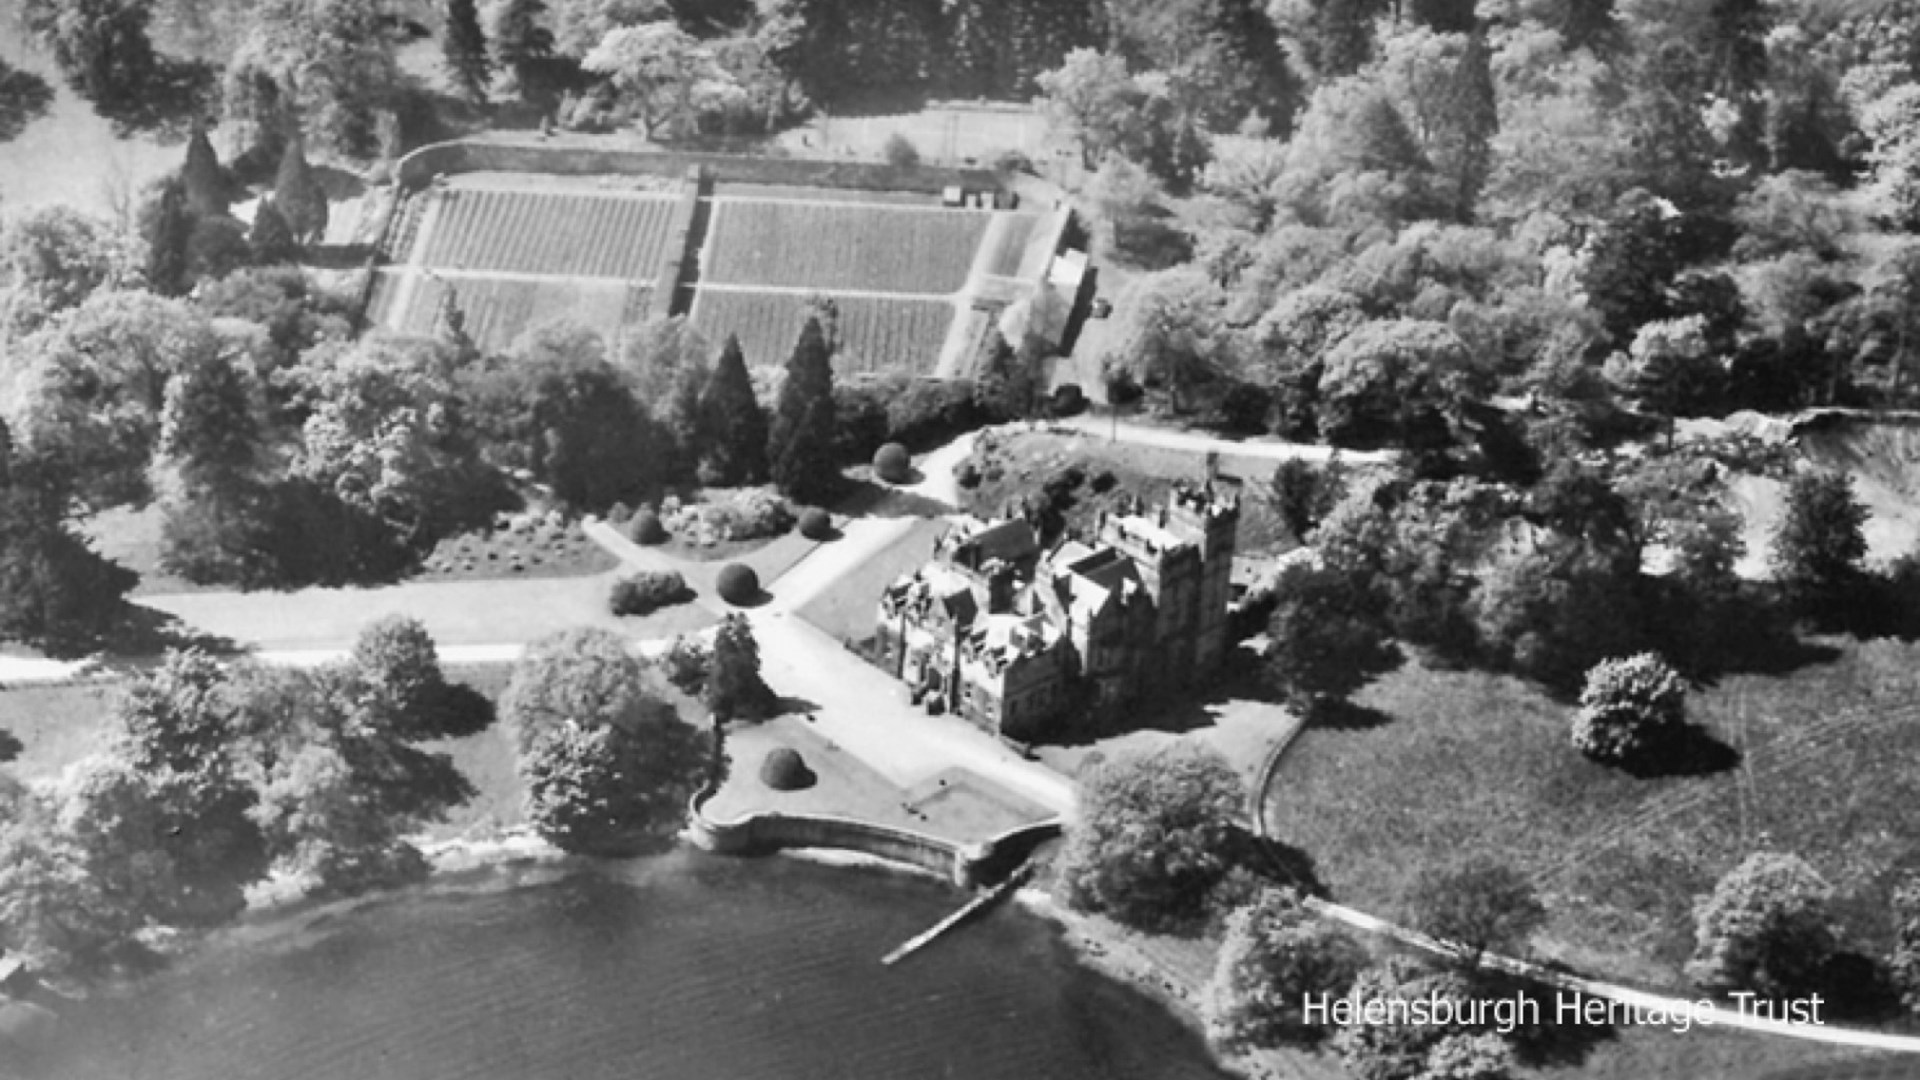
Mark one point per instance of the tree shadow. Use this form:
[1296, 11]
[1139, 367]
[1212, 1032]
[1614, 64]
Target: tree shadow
[760, 598]
[167, 102]
[1858, 988]
[146, 634]
[1691, 751]
[794, 706]
[1342, 714]
[24, 98]
[339, 183]
[1277, 861]
[870, 499]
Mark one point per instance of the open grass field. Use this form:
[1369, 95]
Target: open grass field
[875, 334]
[1469, 763]
[840, 247]
[498, 310]
[547, 232]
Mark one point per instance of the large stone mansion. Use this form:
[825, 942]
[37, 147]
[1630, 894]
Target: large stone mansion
[1015, 638]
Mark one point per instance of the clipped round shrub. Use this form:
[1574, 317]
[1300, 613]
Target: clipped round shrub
[1068, 400]
[893, 464]
[1630, 708]
[1103, 482]
[620, 514]
[645, 528]
[816, 524]
[783, 770]
[737, 584]
[645, 593]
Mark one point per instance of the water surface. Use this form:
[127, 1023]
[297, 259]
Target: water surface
[687, 967]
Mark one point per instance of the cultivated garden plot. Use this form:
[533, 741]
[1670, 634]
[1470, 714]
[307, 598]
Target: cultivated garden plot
[529, 232]
[797, 245]
[498, 310]
[875, 334]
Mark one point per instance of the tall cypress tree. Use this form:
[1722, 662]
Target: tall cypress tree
[168, 231]
[732, 423]
[465, 49]
[271, 239]
[206, 183]
[519, 40]
[299, 196]
[800, 445]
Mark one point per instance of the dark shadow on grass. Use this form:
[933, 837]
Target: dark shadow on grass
[795, 706]
[339, 183]
[1345, 715]
[869, 499]
[1692, 751]
[337, 256]
[146, 634]
[1276, 861]
[24, 98]
[1857, 988]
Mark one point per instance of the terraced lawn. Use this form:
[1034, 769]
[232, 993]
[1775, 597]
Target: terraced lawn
[875, 334]
[799, 245]
[621, 235]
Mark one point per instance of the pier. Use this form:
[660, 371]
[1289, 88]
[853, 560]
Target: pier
[973, 907]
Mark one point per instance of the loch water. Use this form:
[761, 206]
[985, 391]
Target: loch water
[681, 967]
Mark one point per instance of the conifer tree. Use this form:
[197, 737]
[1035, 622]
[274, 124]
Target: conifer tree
[800, 445]
[732, 422]
[299, 195]
[271, 238]
[735, 689]
[519, 40]
[205, 182]
[168, 231]
[464, 46]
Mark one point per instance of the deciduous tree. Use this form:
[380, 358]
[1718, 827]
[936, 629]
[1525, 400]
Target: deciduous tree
[1276, 955]
[1818, 547]
[1767, 928]
[1327, 638]
[1153, 836]
[608, 766]
[666, 76]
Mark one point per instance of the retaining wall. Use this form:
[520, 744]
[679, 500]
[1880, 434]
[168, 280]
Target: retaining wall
[419, 167]
[965, 865]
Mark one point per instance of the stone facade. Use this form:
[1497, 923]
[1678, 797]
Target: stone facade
[1014, 638]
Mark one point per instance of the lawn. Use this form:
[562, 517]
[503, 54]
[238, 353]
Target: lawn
[132, 539]
[876, 334]
[841, 247]
[1470, 763]
[1015, 466]
[847, 610]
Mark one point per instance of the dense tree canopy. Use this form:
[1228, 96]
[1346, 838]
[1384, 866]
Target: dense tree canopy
[608, 765]
[1152, 841]
[1767, 928]
[1275, 955]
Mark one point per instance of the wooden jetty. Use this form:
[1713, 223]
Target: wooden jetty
[973, 907]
